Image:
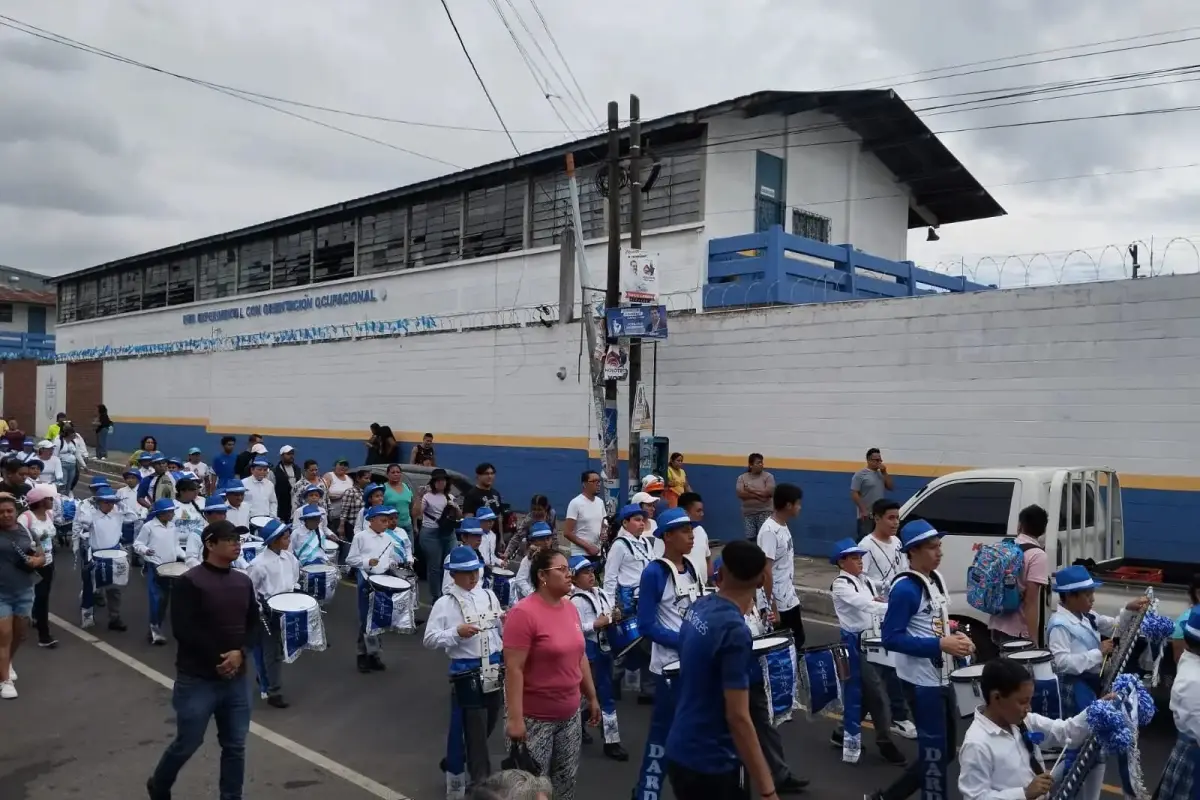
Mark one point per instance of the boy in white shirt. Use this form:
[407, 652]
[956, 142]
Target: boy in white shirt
[101, 530]
[158, 543]
[193, 554]
[274, 571]
[540, 537]
[238, 512]
[260, 491]
[489, 547]
[775, 539]
[471, 534]
[596, 612]
[128, 504]
[198, 468]
[628, 556]
[372, 552]
[1001, 757]
[310, 535]
[465, 622]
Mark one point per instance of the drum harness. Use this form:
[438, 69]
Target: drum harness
[598, 607]
[863, 583]
[940, 610]
[489, 673]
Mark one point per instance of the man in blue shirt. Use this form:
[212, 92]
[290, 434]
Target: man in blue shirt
[712, 740]
[223, 464]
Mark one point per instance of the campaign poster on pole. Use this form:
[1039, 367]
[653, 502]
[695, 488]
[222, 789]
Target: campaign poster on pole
[639, 276]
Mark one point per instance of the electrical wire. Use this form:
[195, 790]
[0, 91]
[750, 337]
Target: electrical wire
[570, 73]
[549, 63]
[478, 77]
[66, 41]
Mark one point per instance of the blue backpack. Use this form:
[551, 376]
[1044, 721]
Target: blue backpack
[993, 579]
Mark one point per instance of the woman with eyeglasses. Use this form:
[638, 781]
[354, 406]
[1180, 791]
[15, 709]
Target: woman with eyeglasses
[546, 673]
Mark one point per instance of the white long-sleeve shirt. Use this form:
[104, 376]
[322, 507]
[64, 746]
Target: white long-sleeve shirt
[627, 557]
[103, 531]
[1075, 644]
[311, 543]
[127, 502]
[52, 471]
[591, 603]
[240, 516]
[522, 585]
[482, 609]
[83, 510]
[274, 573]
[369, 545]
[158, 543]
[1185, 695]
[260, 497]
[854, 603]
[994, 762]
[487, 549]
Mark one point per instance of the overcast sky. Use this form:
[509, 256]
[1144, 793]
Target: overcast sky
[100, 160]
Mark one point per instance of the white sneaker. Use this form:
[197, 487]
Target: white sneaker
[8, 691]
[905, 729]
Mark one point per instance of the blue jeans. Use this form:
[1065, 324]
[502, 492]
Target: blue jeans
[434, 549]
[70, 475]
[102, 443]
[196, 700]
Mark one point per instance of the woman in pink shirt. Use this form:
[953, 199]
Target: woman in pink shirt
[546, 670]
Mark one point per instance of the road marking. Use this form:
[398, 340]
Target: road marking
[289, 746]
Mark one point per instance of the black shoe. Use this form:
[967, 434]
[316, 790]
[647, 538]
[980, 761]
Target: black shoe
[616, 752]
[892, 754]
[117, 625]
[154, 793]
[442, 766]
[49, 643]
[643, 700]
[377, 664]
[791, 785]
[277, 701]
[364, 664]
[586, 737]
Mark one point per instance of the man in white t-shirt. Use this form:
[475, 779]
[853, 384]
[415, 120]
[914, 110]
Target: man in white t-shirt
[701, 554]
[584, 527]
[884, 559]
[775, 539]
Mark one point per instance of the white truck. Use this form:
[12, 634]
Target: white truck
[978, 506]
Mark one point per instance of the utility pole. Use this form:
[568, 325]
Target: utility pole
[635, 243]
[612, 299]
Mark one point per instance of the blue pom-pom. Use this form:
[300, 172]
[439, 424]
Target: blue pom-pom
[1126, 685]
[1035, 738]
[1156, 627]
[1110, 726]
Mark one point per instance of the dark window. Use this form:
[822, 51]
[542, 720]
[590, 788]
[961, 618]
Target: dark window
[1079, 507]
[218, 275]
[674, 198]
[87, 299]
[6, 312]
[106, 303]
[973, 508]
[436, 235]
[67, 307]
[552, 208]
[293, 260]
[254, 267]
[154, 294]
[182, 285]
[381, 241]
[130, 296]
[495, 221]
[334, 252]
[810, 225]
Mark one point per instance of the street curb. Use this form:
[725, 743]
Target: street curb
[815, 601]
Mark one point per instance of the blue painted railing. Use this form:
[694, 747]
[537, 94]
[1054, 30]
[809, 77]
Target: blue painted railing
[776, 268]
[35, 346]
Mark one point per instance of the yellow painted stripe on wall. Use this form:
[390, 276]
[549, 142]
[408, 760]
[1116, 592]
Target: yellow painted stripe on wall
[1173, 483]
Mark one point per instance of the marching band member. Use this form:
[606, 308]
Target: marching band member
[488, 551]
[88, 505]
[144, 461]
[1073, 636]
[596, 612]
[158, 485]
[470, 533]
[238, 512]
[273, 571]
[465, 622]
[859, 605]
[540, 537]
[189, 514]
[130, 510]
[373, 495]
[402, 545]
[260, 492]
[1181, 775]
[998, 759]
[371, 553]
[313, 494]
[669, 585]
[628, 556]
[158, 543]
[193, 553]
[917, 629]
[648, 502]
[101, 530]
[200, 471]
[310, 534]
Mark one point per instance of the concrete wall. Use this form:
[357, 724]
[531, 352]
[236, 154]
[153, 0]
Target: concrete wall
[1100, 374]
[827, 174]
[20, 320]
[52, 396]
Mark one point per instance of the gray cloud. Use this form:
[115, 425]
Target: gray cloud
[41, 55]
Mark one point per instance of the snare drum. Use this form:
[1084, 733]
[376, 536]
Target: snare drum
[623, 637]
[331, 549]
[166, 574]
[1047, 695]
[252, 546]
[873, 649]
[319, 581]
[778, 661]
[502, 585]
[296, 619]
[821, 673]
[258, 523]
[968, 693]
[391, 605]
[110, 568]
[1040, 663]
[1015, 646]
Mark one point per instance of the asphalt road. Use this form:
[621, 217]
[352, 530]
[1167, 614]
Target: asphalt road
[91, 722]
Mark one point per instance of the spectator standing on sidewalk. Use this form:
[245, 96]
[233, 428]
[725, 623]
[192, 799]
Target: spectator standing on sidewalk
[1026, 622]
[484, 493]
[215, 618]
[775, 539]
[755, 489]
[585, 525]
[869, 484]
[103, 425]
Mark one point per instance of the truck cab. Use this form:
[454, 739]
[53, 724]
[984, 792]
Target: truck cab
[976, 507]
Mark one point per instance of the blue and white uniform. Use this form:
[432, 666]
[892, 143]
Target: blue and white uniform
[101, 530]
[592, 604]
[158, 543]
[1181, 775]
[272, 573]
[476, 696]
[370, 546]
[308, 543]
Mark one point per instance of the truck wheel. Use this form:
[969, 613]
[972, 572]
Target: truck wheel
[981, 637]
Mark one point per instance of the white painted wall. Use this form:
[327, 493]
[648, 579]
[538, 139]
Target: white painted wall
[20, 320]
[51, 395]
[827, 173]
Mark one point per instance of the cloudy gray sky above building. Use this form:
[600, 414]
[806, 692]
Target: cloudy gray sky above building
[100, 160]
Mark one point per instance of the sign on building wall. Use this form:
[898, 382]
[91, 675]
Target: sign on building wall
[299, 304]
